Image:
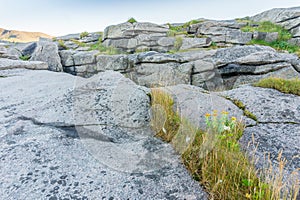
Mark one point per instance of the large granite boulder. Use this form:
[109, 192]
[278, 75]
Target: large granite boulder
[47, 51]
[84, 139]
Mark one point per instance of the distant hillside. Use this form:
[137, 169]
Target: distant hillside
[21, 36]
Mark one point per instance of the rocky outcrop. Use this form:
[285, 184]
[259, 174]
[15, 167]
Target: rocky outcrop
[57, 134]
[4, 53]
[289, 18]
[225, 68]
[47, 51]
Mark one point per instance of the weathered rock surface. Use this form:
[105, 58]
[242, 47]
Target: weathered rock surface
[70, 137]
[15, 64]
[47, 51]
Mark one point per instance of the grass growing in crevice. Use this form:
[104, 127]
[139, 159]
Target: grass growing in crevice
[103, 49]
[62, 44]
[165, 121]
[241, 106]
[81, 44]
[278, 45]
[83, 34]
[289, 86]
[182, 29]
[25, 57]
[213, 155]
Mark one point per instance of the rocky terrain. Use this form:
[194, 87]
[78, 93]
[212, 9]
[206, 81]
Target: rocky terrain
[85, 133]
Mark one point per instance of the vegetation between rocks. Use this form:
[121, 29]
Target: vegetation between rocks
[291, 86]
[283, 35]
[213, 156]
[83, 34]
[103, 49]
[25, 57]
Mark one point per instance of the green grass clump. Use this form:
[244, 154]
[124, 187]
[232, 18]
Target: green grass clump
[241, 106]
[103, 49]
[182, 29]
[171, 120]
[25, 57]
[291, 86]
[131, 20]
[81, 44]
[268, 27]
[278, 45]
[83, 34]
[62, 44]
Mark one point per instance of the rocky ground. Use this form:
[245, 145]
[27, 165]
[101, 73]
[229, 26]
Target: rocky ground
[85, 134]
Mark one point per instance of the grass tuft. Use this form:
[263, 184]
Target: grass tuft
[131, 20]
[291, 86]
[25, 57]
[83, 34]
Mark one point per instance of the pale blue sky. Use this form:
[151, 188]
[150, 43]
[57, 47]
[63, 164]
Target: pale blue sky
[59, 17]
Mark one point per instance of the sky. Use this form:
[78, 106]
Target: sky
[61, 17]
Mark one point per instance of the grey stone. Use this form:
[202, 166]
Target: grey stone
[67, 57]
[14, 64]
[238, 37]
[84, 58]
[112, 62]
[29, 49]
[71, 45]
[258, 100]
[269, 37]
[230, 55]
[155, 74]
[51, 149]
[201, 66]
[155, 57]
[166, 41]
[47, 51]
[92, 37]
[190, 43]
[266, 57]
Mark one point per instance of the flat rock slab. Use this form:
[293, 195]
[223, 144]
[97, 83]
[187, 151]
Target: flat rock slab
[268, 105]
[49, 152]
[15, 64]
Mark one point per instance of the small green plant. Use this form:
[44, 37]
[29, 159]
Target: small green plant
[25, 57]
[278, 45]
[83, 34]
[291, 86]
[81, 44]
[103, 49]
[62, 44]
[178, 43]
[131, 20]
